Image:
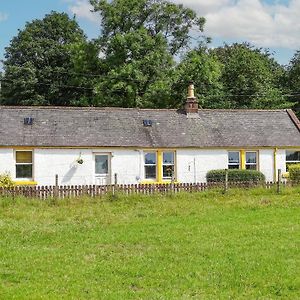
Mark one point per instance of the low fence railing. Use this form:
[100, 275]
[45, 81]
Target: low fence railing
[71, 191]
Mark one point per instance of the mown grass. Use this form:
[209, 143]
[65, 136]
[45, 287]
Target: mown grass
[241, 245]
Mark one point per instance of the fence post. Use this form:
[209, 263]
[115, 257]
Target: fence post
[226, 181]
[279, 181]
[114, 187]
[172, 182]
[56, 186]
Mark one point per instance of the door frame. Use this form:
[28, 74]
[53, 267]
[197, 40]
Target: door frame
[109, 175]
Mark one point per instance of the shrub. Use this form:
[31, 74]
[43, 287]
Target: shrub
[6, 181]
[235, 175]
[294, 172]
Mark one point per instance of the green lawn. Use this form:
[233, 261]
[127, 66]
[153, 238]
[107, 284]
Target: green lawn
[242, 245]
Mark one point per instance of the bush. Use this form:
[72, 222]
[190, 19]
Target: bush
[235, 175]
[6, 181]
[294, 172]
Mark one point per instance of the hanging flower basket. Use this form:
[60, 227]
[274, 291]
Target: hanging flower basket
[79, 161]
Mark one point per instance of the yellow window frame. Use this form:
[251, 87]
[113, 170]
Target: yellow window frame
[159, 165]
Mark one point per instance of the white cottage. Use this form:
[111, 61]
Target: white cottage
[91, 145]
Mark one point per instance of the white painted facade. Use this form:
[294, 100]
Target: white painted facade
[191, 165]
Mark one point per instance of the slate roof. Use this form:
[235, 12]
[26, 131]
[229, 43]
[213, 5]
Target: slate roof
[119, 127]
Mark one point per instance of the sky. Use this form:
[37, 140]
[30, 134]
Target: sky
[271, 24]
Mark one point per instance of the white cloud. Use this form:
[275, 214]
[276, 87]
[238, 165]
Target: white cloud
[265, 25]
[3, 16]
[83, 10]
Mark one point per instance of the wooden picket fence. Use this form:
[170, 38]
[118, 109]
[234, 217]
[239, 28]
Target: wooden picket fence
[73, 191]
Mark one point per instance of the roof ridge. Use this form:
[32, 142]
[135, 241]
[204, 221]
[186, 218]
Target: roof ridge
[240, 109]
[134, 108]
[84, 108]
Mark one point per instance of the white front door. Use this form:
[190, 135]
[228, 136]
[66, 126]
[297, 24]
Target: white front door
[102, 169]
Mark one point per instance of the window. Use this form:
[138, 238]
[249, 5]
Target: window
[233, 160]
[168, 165]
[24, 164]
[101, 164]
[251, 160]
[292, 157]
[150, 165]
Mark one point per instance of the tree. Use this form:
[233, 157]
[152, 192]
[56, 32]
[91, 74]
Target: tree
[203, 69]
[292, 82]
[139, 41]
[134, 63]
[158, 17]
[38, 65]
[250, 77]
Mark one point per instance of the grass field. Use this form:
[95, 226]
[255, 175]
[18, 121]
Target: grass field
[242, 245]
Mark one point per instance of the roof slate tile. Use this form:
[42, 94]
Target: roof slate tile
[119, 127]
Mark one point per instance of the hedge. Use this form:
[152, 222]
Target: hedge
[294, 172]
[235, 175]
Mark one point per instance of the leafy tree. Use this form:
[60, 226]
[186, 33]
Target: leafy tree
[250, 77]
[138, 43]
[38, 63]
[134, 63]
[292, 81]
[203, 69]
[158, 17]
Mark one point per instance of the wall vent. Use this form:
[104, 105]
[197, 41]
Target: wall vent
[28, 121]
[147, 123]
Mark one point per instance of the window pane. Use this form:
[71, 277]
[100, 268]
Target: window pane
[251, 167]
[168, 171]
[168, 158]
[150, 172]
[150, 158]
[234, 157]
[24, 156]
[233, 166]
[101, 164]
[293, 155]
[23, 171]
[250, 157]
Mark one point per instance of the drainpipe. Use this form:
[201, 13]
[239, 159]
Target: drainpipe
[195, 179]
[275, 165]
[243, 159]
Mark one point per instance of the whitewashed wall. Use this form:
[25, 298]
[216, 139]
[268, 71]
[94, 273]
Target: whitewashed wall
[126, 163]
[191, 165]
[280, 160]
[7, 161]
[266, 163]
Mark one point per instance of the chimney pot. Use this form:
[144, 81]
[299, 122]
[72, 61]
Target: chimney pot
[191, 92]
[191, 105]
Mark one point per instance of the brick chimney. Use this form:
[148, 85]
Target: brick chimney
[191, 104]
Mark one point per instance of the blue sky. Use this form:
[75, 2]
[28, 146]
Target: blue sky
[272, 24]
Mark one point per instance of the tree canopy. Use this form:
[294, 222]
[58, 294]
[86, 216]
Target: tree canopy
[162, 18]
[292, 82]
[250, 77]
[147, 53]
[38, 63]
[138, 43]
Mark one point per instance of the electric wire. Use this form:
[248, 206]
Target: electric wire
[221, 95]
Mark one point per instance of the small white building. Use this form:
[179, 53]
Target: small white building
[91, 145]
